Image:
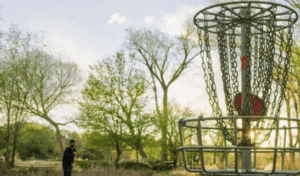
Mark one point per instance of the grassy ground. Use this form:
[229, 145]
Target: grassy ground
[49, 168]
[96, 168]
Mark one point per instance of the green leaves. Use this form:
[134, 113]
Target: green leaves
[114, 97]
[36, 140]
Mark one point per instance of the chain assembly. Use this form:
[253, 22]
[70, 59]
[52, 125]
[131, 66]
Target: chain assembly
[245, 75]
[266, 62]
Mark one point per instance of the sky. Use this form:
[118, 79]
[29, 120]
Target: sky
[90, 30]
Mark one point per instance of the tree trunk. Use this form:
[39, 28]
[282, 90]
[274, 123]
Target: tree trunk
[7, 139]
[119, 152]
[58, 139]
[16, 134]
[175, 160]
[58, 135]
[142, 152]
[12, 161]
[137, 148]
[215, 156]
[164, 126]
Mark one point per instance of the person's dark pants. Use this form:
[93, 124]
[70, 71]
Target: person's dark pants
[67, 170]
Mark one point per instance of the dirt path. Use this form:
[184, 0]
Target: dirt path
[56, 165]
[77, 171]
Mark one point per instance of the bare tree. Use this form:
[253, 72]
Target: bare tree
[32, 82]
[294, 3]
[165, 57]
[12, 96]
[50, 82]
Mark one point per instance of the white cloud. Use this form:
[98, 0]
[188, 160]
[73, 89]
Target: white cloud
[70, 50]
[173, 23]
[148, 20]
[116, 18]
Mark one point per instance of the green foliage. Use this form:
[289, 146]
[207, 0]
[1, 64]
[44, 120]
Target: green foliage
[92, 154]
[162, 167]
[95, 140]
[153, 153]
[84, 164]
[134, 165]
[67, 135]
[153, 161]
[2, 133]
[33, 81]
[36, 140]
[165, 57]
[102, 163]
[176, 112]
[98, 146]
[114, 96]
[113, 104]
[2, 151]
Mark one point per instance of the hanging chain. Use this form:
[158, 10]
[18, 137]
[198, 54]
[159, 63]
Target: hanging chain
[255, 87]
[233, 61]
[278, 73]
[268, 65]
[262, 60]
[260, 70]
[225, 69]
[208, 71]
[263, 67]
[248, 54]
[223, 53]
[273, 30]
[286, 64]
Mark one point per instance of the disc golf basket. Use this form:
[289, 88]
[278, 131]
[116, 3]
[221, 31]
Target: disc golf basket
[245, 49]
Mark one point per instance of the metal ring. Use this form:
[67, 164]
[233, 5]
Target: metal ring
[260, 17]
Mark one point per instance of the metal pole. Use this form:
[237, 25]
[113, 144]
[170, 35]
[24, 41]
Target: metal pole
[226, 155]
[182, 143]
[235, 144]
[283, 152]
[254, 141]
[199, 136]
[246, 154]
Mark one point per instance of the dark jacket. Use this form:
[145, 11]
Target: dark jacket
[68, 156]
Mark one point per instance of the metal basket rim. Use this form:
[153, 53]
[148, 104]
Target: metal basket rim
[245, 2]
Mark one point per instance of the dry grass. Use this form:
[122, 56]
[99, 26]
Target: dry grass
[92, 171]
[180, 171]
[43, 168]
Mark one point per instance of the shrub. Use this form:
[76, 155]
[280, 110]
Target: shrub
[162, 167]
[153, 161]
[91, 154]
[133, 165]
[102, 163]
[84, 164]
[3, 169]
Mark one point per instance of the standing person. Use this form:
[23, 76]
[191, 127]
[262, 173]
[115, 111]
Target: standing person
[69, 158]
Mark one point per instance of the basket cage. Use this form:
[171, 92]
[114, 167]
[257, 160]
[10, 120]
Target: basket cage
[254, 42]
[206, 151]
